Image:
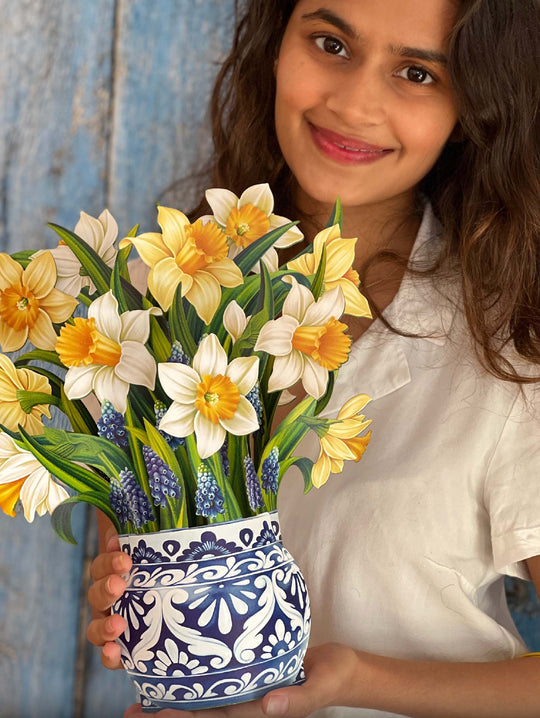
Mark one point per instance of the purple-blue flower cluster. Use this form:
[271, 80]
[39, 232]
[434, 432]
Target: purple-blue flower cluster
[208, 497]
[270, 471]
[111, 425]
[178, 355]
[163, 481]
[253, 486]
[254, 398]
[128, 500]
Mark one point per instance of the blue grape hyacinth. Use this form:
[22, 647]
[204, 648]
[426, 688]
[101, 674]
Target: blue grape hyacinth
[254, 398]
[178, 355]
[208, 497]
[128, 500]
[163, 481]
[270, 471]
[253, 486]
[111, 425]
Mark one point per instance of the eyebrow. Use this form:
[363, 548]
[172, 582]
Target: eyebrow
[402, 50]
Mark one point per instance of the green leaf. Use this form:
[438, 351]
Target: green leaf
[323, 401]
[337, 215]
[49, 357]
[317, 285]
[28, 399]
[120, 270]
[251, 255]
[161, 346]
[179, 326]
[23, 257]
[92, 450]
[305, 465]
[61, 516]
[94, 266]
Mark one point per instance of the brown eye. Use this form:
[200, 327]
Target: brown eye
[417, 74]
[330, 45]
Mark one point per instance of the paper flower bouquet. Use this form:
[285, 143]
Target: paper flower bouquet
[183, 440]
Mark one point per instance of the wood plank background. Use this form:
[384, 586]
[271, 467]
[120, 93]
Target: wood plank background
[102, 104]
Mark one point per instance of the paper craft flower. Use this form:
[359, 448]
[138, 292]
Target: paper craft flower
[13, 380]
[338, 270]
[246, 218]
[22, 476]
[209, 398]
[307, 340]
[235, 320]
[100, 234]
[341, 441]
[29, 303]
[193, 254]
[106, 352]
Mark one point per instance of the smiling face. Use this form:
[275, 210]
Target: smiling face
[364, 104]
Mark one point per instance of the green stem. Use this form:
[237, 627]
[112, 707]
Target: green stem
[29, 399]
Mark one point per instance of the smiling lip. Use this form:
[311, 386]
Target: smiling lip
[346, 150]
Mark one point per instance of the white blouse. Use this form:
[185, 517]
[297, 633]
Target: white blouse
[404, 553]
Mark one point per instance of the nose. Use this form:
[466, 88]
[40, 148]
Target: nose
[359, 97]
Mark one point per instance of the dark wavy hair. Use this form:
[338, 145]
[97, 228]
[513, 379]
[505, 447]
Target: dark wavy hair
[485, 189]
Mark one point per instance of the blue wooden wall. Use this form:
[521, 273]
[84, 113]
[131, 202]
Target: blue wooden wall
[102, 104]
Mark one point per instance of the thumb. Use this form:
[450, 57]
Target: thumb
[293, 702]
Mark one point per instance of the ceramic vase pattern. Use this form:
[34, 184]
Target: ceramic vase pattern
[216, 614]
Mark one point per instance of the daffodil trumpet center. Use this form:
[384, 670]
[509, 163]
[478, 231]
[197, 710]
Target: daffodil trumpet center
[81, 344]
[29, 399]
[205, 244]
[246, 224]
[217, 397]
[328, 345]
[19, 308]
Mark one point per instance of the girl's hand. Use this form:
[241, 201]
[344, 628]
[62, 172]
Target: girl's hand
[330, 671]
[107, 571]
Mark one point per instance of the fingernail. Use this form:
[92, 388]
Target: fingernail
[118, 563]
[277, 706]
[111, 542]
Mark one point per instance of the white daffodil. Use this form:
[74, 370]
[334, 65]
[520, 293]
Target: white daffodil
[100, 234]
[308, 341]
[106, 352]
[23, 477]
[209, 398]
[235, 320]
[246, 218]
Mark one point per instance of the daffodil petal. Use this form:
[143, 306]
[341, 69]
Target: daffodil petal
[291, 236]
[55, 496]
[163, 281]
[108, 385]
[244, 420]
[10, 272]
[179, 382]
[234, 320]
[110, 232]
[105, 312]
[12, 339]
[210, 358]
[173, 223]
[91, 230]
[270, 260]
[324, 238]
[244, 372]
[150, 247]
[178, 420]
[335, 448]
[226, 272]
[42, 334]
[275, 337]
[259, 195]
[79, 381]
[286, 372]
[40, 275]
[11, 415]
[222, 202]
[331, 304]
[210, 437]
[73, 285]
[339, 258]
[58, 305]
[298, 300]
[320, 471]
[18, 464]
[356, 305]
[136, 365]
[136, 324]
[204, 295]
[34, 491]
[348, 428]
[314, 378]
[305, 264]
[353, 406]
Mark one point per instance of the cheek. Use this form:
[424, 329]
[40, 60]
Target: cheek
[426, 132]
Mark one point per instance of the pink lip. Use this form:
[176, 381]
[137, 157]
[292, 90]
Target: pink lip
[346, 150]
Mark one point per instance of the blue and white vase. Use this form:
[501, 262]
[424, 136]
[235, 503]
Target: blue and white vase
[216, 614]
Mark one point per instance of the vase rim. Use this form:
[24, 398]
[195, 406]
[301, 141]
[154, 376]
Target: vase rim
[207, 527]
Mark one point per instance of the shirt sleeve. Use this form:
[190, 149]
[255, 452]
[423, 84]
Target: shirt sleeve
[512, 490]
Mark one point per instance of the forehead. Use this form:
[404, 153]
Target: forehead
[422, 22]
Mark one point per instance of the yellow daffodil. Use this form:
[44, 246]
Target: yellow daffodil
[341, 442]
[194, 254]
[246, 218]
[13, 380]
[209, 398]
[338, 271]
[29, 303]
[308, 341]
[100, 234]
[23, 477]
[105, 353]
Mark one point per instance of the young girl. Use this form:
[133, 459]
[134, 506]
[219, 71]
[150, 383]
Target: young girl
[423, 118]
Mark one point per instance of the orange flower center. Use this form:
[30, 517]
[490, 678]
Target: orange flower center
[82, 344]
[328, 345]
[9, 495]
[358, 445]
[217, 397]
[205, 244]
[19, 308]
[352, 275]
[246, 224]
